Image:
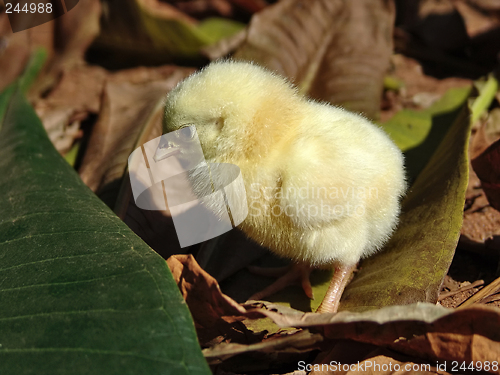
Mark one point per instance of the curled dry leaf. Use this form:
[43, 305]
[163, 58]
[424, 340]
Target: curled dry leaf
[333, 50]
[130, 116]
[487, 168]
[16, 48]
[481, 228]
[200, 290]
[421, 330]
[211, 310]
[294, 343]
[76, 96]
[227, 328]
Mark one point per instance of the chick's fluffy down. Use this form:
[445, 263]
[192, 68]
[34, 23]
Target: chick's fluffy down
[323, 184]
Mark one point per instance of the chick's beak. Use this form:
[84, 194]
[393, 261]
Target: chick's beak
[165, 152]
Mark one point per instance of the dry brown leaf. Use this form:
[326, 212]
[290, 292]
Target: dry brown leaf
[334, 51]
[201, 291]
[476, 22]
[480, 232]
[227, 328]
[130, 116]
[66, 39]
[295, 343]
[217, 317]
[71, 101]
[421, 330]
[487, 168]
[16, 48]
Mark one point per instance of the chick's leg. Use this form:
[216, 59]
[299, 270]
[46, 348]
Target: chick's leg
[297, 271]
[339, 281]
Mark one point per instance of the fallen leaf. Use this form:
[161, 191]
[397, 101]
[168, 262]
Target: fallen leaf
[130, 115]
[487, 168]
[201, 292]
[422, 330]
[296, 342]
[418, 133]
[153, 32]
[334, 51]
[73, 99]
[217, 317]
[80, 293]
[66, 40]
[16, 48]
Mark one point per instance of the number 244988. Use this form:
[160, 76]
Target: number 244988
[32, 8]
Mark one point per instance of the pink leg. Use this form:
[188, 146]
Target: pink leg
[339, 281]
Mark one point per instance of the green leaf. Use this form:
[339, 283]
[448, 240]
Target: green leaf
[153, 32]
[33, 67]
[414, 263]
[79, 292]
[215, 29]
[487, 91]
[31, 70]
[419, 133]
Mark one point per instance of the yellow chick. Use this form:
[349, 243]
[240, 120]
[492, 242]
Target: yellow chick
[323, 184]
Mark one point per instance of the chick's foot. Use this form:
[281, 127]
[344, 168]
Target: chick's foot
[340, 278]
[287, 276]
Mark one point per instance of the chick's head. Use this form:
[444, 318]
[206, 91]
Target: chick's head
[233, 106]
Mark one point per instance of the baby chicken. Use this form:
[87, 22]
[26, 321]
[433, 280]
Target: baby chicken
[323, 185]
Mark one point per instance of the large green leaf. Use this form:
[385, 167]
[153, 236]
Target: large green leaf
[79, 292]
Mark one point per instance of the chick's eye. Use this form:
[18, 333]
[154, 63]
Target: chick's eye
[187, 133]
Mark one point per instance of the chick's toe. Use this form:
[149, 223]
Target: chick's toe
[290, 275]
